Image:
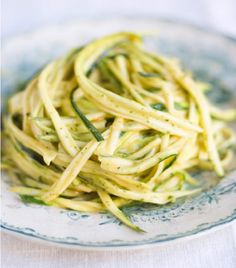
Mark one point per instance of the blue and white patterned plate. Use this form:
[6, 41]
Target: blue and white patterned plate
[211, 57]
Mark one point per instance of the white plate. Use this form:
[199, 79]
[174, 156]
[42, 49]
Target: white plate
[212, 58]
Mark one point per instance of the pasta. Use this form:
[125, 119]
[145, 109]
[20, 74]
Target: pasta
[110, 124]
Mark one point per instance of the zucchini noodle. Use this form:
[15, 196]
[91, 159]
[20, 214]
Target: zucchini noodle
[110, 124]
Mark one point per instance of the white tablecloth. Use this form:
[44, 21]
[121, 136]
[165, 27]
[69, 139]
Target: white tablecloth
[217, 249]
[214, 250]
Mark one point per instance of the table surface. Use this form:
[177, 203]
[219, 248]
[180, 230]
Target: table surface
[214, 250]
[23, 16]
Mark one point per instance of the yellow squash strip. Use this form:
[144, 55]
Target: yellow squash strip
[70, 172]
[63, 133]
[47, 153]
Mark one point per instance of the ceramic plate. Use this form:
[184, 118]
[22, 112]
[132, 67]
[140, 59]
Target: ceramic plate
[210, 56]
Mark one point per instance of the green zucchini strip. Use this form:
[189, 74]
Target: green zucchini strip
[97, 135]
[109, 204]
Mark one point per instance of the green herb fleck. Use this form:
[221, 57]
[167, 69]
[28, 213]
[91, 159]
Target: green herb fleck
[149, 75]
[159, 106]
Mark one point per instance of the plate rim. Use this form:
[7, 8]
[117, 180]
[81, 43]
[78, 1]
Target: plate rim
[51, 243]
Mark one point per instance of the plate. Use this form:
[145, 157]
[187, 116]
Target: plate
[210, 56]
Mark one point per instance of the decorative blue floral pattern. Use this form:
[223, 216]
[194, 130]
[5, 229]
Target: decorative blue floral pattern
[74, 241]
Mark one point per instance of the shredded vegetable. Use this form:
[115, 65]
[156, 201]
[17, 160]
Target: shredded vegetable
[112, 124]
